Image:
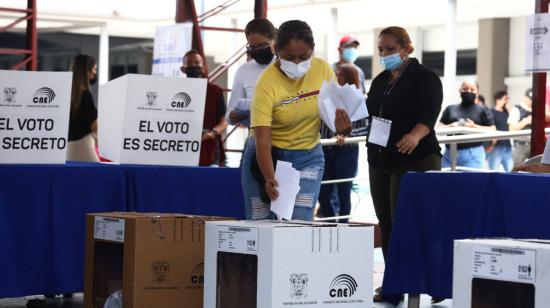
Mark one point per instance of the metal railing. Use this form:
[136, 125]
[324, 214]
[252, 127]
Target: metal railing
[454, 136]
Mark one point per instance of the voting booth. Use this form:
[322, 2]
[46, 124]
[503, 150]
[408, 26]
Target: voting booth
[151, 120]
[496, 273]
[269, 264]
[34, 117]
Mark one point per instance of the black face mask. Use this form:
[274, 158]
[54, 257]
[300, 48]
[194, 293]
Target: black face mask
[93, 80]
[468, 98]
[262, 56]
[193, 71]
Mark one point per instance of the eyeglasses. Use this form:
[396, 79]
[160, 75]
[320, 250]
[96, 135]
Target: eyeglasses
[256, 47]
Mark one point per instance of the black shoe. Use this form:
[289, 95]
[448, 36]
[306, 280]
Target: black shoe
[67, 295]
[50, 296]
[36, 303]
[436, 300]
[393, 299]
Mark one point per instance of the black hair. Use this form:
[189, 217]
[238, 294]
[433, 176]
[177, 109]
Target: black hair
[294, 30]
[481, 99]
[191, 52]
[500, 94]
[80, 67]
[260, 26]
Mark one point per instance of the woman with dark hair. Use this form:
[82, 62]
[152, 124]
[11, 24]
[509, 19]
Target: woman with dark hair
[285, 117]
[341, 160]
[260, 36]
[83, 119]
[404, 102]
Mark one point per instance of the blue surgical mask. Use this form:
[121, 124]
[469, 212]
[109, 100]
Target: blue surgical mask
[350, 54]
[391, 62]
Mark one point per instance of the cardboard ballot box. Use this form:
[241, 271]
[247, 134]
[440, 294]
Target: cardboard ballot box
[157, 260]
[501, 273]
[34, 117]
[265, 264]
[151, 120]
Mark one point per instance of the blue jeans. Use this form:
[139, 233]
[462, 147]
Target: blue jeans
[340, 163]
[310, 163]
[501, 155]
[473, 157]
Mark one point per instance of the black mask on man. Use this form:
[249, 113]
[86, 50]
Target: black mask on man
[262, 56]
[468, 98]
[193, 71]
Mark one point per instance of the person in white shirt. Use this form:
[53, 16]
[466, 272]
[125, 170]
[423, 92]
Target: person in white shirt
[260, 35]
[520, 118]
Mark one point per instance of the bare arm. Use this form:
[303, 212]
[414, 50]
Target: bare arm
[222, 126]
[520, 124]
[410, 141]
[265, 161]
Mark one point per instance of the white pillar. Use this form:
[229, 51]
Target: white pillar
[103, 63]
[331, 44]
[449, 87]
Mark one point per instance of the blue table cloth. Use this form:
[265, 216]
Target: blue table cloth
[434, 209]
[188, 190]
[42, 223]
[43, 207]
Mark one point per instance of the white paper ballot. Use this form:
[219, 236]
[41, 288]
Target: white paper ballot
[380, 131]
[546, 154]
[289, 186]
[347, 97]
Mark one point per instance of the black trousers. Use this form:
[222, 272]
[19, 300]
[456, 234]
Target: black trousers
[384, 185]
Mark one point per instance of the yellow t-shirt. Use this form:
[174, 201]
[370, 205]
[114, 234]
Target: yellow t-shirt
[289, 106]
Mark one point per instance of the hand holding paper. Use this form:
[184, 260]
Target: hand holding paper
[348, 97]
[289, 186]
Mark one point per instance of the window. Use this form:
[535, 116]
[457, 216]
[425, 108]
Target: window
[465, 62]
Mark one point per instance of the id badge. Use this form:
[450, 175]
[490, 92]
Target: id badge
[380, 131]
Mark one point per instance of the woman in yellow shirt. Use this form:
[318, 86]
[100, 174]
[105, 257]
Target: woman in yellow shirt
[285, 117]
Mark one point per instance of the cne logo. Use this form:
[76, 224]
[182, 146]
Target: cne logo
[197, 274]
[343, 286]
[9, 94]
[43, 95]
[181, 100]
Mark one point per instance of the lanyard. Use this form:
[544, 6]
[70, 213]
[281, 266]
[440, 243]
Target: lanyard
[388, 91]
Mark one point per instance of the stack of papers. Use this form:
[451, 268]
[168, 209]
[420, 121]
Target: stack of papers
[289, 186]
[347, 97]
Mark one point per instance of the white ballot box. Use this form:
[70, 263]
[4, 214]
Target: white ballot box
[151, 120]
[34, 117]
[268, 264]
[496, 273]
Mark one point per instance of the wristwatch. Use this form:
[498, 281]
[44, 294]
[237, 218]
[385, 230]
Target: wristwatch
[215, 132]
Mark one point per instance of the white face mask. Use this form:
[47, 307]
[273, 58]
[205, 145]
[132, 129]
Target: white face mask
[295, 71]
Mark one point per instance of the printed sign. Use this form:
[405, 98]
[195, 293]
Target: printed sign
[152, 120]
[238, 239]
[109, 229]
[171, 43]
[34, 116]
[538, 43]
[508, 264]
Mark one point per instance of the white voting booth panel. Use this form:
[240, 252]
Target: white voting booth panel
[34, 117]
[493, 273]
[151, 120]
[265, 264]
